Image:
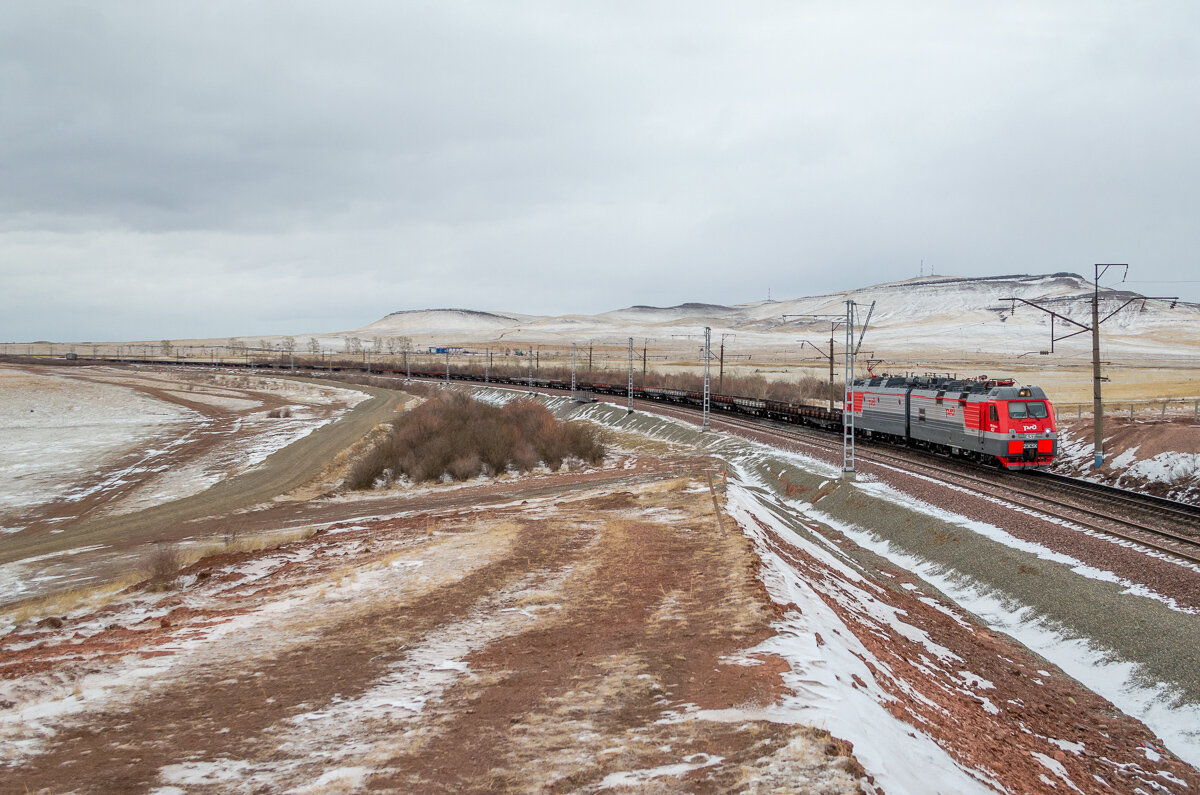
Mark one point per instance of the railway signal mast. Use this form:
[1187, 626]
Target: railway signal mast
[707, 382]
[1097, 379]
[848, 401]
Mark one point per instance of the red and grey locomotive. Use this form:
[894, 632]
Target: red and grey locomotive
[980, 418]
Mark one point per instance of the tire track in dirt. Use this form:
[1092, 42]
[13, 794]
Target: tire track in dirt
[646, 632]
[124, 750]
[603, 619]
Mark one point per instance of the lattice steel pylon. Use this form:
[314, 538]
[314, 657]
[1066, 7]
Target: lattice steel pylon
[848, 401]
[848, 397]
[707, 358]
[572, 371]
[531, 368]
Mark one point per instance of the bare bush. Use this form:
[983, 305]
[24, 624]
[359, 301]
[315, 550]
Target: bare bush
[280, 413]
[453, 435]
[465, 467]
[164, 564]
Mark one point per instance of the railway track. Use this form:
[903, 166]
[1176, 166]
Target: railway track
[1046, 497]
[1163, 525]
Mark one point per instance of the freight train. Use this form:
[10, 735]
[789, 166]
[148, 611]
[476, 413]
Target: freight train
[986, 420]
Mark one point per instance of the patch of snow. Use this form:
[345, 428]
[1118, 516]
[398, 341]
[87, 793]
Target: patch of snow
[902, 758]
[1120, 682]
[994, 533]
[1067, 745]
[1057, 769]
[341, 732]
[634, 778]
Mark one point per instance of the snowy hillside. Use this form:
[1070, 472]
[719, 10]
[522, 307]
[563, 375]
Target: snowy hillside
[930, 316]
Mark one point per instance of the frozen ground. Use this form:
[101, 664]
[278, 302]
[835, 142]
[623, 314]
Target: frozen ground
[111, 442]
[614, 637]
[57, 431]
[1154, 454]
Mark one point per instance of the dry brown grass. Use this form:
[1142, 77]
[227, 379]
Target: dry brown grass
[92, 598]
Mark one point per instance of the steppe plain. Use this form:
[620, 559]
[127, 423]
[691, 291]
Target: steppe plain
[700, 612]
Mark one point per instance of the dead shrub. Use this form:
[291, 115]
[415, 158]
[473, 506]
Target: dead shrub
[280, 413]
[454, 435]
[465, 467]
[164, 564]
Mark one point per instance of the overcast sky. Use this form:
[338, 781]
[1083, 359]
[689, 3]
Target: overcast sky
[196, 169]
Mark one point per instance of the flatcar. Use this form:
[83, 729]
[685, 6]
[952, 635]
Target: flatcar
[982, 419]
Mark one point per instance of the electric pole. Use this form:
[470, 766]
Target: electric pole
[531, 369]
[833, 324]
[447, 366]
[848, 400]
[487, 363]
[721, 365]
[572, 371]
[1097, 378]
[848, 403]
[1097, 403]
[707, 359]
[630, 375]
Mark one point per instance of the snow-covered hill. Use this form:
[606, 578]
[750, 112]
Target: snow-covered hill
[929, 317]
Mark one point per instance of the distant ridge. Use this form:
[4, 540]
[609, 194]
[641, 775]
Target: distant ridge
[471, 312]
[689, 307]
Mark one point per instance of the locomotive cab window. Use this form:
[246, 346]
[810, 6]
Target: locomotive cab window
[993, 414]
[1027, 409]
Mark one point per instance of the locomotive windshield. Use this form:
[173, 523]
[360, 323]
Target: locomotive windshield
[1027, 409]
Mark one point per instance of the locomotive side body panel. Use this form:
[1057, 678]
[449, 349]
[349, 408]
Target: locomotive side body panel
[881, 410]
[938, 418]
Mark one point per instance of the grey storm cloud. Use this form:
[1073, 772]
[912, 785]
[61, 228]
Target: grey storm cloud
[216, 168]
